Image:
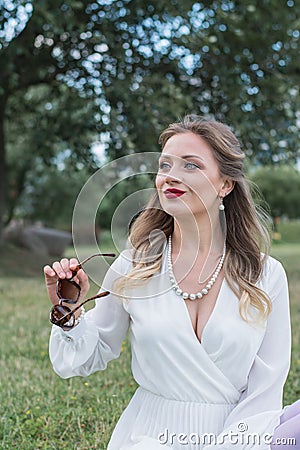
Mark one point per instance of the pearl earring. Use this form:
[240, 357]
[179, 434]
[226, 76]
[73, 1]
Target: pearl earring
[221, 206]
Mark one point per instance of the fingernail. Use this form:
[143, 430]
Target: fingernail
[62, 275]
[69, 274]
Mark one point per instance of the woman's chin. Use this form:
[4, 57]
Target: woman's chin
[176, 208]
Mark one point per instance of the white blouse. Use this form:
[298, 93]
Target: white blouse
[223, 393]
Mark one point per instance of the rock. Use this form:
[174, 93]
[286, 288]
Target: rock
[38, 239]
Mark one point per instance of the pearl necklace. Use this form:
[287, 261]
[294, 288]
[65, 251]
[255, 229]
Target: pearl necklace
[204, 291]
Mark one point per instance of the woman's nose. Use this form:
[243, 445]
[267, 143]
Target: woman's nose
[171, 177]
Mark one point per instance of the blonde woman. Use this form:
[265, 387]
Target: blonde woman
[207, 308]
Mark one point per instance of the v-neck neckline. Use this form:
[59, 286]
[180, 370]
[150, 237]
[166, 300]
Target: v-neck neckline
[187, 314]
[182, 301]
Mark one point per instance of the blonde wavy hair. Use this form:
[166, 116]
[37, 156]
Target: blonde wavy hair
[248, 226]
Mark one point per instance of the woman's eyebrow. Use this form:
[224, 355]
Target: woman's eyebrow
[192, 156]
[166, 156]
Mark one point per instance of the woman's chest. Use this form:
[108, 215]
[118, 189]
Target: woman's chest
[200, 310]
[159, 318]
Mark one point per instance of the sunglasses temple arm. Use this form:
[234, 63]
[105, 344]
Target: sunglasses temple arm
[78, 267]
[103, 294]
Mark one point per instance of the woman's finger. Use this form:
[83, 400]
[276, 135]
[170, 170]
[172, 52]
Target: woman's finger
[83, 281]
[82, 276]
[59, 270]
[65, 264]
[50, 280]
[73, 263]
[48, 271]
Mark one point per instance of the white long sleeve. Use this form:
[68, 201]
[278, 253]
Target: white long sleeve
[258, 410]
[97, 339]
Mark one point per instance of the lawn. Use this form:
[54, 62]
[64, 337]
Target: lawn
[41, 411]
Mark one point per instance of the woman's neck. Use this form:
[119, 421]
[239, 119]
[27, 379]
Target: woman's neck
[201, 236]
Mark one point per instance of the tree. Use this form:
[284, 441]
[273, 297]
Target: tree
[83, 46]
[245, 71]
[30, 66]
[138, 66]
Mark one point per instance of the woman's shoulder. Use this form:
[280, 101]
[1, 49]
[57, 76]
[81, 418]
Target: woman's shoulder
[123, 263]
[272, 270]
[119, 268]
[271, 264]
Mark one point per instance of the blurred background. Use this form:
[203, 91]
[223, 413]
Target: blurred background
[83, 83]
[86, 82]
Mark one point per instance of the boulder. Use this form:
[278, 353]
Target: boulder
[38, 239]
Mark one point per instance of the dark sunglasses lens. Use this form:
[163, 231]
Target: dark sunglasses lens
[60, 315]
[68, 289]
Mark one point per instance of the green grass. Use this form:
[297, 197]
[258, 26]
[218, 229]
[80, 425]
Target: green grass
[38, 409]
[41, 411]
[289, 231]
[289, 255]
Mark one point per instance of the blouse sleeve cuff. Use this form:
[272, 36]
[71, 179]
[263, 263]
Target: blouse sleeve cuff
[74, 333]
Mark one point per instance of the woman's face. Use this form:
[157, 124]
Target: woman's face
[188, 179]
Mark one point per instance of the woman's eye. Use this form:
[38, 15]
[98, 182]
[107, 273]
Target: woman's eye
[164, 165]
[190, 166]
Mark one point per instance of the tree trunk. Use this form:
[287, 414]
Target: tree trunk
[19, 187]
[3, 101]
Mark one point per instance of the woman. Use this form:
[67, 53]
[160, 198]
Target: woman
[208, 312]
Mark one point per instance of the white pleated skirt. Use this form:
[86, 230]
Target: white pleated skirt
[153, 422]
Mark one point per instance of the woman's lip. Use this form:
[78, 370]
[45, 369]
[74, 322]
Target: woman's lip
[173, 193]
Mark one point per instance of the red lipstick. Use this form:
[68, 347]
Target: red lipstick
[173, 193]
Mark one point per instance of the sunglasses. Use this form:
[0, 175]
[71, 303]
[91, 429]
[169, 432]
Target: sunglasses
[68, 291]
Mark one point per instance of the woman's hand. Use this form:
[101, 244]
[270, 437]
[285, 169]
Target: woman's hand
[63, 269]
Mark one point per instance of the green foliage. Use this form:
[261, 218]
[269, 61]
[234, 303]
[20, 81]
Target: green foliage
[280, 186]
[247, 57]
[120, 192]
[47, 161]
[75, 72]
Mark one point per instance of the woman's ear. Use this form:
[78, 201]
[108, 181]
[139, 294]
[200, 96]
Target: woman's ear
[227, 187]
